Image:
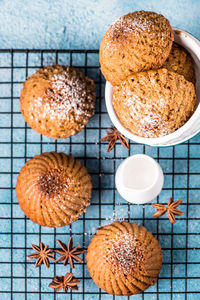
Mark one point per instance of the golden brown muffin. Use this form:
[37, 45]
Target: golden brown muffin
[53, 189]
[138, 41]
[180, 61]
[124, 258]
[154, 103]
[58, 101]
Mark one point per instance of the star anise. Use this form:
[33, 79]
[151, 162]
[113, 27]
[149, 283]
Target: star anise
[42, 253]
[112, 136]
[171, 209]
[69, 281]
[69, 253]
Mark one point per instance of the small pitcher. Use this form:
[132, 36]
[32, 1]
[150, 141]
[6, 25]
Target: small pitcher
[139, 179]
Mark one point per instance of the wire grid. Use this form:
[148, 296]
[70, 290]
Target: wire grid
[19, 279]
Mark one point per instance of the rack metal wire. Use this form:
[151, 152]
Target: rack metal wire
[179, 278]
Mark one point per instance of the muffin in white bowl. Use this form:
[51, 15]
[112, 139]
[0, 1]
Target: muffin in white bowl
[189, 127]
[154, 103]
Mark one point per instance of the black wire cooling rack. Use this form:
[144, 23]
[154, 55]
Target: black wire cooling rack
[179, 277]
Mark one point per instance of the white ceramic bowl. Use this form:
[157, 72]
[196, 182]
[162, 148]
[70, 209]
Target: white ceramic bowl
[139, 179]
[192, 126]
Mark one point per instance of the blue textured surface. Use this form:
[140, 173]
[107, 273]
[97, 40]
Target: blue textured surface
[81, 24]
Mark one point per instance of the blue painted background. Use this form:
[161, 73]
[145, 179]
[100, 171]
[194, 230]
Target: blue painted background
[81, 23]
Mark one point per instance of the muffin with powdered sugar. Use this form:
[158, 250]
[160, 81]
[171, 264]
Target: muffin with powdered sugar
[180, 61]
[124, 258]
[154, 103]
[58, 101]
[138, 41]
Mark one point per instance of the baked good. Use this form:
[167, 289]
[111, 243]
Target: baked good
[58, 101]
[53, 189]
[180, 61]
[138, 41]
[154, 103]
[124, 258]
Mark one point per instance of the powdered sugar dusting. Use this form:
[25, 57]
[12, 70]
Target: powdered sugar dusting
[151, 122]
[66, 96]
[147, 115]
[124, 252]
[128, 24]
[139, 23]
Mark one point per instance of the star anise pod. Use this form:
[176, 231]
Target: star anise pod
[112, 136]
[42, 255]
[69, 253]
[69, 281]
[171, 209]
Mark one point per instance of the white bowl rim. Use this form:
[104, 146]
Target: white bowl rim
[167, 140]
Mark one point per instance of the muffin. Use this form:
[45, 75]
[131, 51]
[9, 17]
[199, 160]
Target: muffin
[138, 41]
[53, 189]
[154, 103]
[58, 101]
[180, 61]
[124, 258]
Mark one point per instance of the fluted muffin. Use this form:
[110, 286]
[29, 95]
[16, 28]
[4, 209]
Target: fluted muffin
[58, 101]
[180, 61]
[138, 41]
[124, 258]
[53, 189]
[154, 103]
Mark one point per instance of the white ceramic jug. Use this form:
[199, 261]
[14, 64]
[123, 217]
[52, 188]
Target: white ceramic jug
[139, 179]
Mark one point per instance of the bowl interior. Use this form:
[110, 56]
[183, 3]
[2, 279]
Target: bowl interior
[191, 127]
